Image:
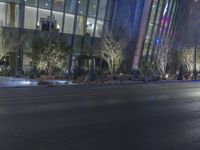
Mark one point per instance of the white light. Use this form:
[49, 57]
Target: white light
[38, 23]
[58, 27]
[28, 82]
[166, 76]
[166, 7]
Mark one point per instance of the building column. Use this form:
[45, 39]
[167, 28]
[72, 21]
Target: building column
[142, 34]
[21, 13]
[19, 49]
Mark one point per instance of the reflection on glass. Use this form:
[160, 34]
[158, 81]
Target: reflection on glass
[110, 9]
[99, 28]
[42, 15]
[69, 23]
[59, 19]
[45, 4]
[30, 17]
[92, 8]
[82, 7]
[90, 26]
[2, 14]
[15, 1]
[87, 45]
[77, 44]
[102, 9]
[58, 5]
[13, 14]
[80, 26]
[71, 6]
[31, 2]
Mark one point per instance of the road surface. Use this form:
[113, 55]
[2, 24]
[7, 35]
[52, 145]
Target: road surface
[123, 117]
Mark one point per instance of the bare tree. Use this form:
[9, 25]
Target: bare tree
[112, 50]
[187, 58]
[163, 59]
[49, 53]
[9, 42]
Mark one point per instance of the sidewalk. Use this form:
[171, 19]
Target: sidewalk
[25, 82]
[16, 82]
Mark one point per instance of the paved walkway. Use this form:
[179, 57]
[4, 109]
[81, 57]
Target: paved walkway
[23, 82]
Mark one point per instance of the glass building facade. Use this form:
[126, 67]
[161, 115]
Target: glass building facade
[148, 23]
[81, 22]
[72, 16]
[166, 25]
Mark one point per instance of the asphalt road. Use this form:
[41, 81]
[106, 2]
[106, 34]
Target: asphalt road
[123, 117]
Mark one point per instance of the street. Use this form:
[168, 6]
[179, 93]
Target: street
[105, 117]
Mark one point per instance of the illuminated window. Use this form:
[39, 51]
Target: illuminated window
[30, 17]
[2, 14]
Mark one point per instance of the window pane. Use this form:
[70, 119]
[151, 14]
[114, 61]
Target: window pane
[77, 45]
[102, 9]
[110, 10]
[45, 4]
[82, 7]
[30, 17]
[99, 28]
[28, 42]
[146, 43]
[87, 45]
[59, 19]
[15, 1]
[68, 40]
[80, 26]
[90, 26]
[95, 48]
[92, 8]
[2, 14]
[31, 2]
[58, 5]
[69, 23]
[13, 14]
[43, 14]
[71, 6]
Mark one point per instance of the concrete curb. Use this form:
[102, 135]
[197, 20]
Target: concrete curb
[105, 83]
